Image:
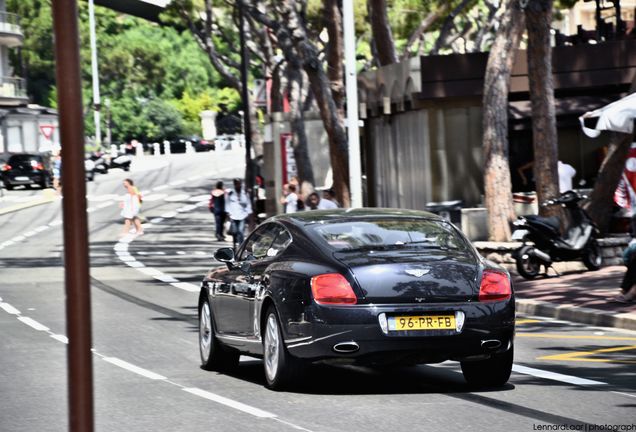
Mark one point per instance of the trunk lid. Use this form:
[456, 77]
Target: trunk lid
[413, 276]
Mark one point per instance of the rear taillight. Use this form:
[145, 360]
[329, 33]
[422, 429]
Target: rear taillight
[6, 167]
[495, 286]
[39, 167]
[332, 289]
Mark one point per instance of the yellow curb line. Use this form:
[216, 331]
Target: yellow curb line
[23, 206]
[579, 356]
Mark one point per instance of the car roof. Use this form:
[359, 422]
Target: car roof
[333, 215]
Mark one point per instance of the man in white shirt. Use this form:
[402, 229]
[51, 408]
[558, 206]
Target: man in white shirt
[238, 207]
[566, 173]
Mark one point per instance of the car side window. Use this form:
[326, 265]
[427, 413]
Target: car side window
[259, 242]
[283, 239]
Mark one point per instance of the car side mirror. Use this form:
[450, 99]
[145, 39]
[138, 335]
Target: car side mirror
[225, 255]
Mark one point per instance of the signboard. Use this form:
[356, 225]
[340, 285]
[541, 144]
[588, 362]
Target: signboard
[259, 92]
[47, 130]
[289, 162]
[626, 191]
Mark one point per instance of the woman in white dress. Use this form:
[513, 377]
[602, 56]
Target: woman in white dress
[130, 208]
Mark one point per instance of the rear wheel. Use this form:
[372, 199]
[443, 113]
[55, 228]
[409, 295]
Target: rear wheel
[592, 257]
[492, 372]
[214, 356]
[528, 265]
[281, 368]
[8, 186]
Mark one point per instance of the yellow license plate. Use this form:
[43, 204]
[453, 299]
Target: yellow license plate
[422, 322]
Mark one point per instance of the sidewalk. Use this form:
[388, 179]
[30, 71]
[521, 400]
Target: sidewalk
[15, 202]
[584, 297]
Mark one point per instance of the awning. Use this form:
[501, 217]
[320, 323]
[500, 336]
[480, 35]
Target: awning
[617, 117]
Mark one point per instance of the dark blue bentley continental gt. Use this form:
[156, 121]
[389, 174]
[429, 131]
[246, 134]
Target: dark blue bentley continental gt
[365, 286]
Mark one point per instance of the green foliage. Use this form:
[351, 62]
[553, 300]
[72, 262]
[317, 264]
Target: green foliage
[151, 74]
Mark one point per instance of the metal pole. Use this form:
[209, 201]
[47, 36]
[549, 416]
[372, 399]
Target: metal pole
[95, 73]
[247, 125]
[353, 134]
[78, 304]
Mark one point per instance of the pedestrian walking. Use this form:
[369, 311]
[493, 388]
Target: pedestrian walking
[238, 207]
[290, 198]
[131, 206]
[628, 285]
[57, 173]
[217, 207]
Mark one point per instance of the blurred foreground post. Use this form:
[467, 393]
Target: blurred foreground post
[78, 307]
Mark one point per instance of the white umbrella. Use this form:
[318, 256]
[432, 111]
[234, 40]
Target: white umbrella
[618, 116]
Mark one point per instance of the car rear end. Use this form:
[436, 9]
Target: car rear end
[25, 169]
[425, 303]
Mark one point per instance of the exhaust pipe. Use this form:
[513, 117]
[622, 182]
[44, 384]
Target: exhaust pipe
[542, 256]
[346, 347]
[491, 344]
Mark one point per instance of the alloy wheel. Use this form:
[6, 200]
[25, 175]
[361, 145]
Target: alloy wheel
[205, 331]
[272, 345]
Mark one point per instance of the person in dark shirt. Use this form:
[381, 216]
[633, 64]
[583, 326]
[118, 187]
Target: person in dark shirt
[217, 206]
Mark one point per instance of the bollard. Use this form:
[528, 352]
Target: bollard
[189, 148]
[156, 148]
[166, 147]
[139, 149]
[113, 151]
[122, 148]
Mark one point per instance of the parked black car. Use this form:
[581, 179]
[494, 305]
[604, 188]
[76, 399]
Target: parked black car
[363, 286]
[27, 169]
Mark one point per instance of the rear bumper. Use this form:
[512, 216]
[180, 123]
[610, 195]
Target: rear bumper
[330, 326]
[24, 179]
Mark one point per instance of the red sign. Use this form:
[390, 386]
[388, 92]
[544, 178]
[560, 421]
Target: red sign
[626, 192]
[47, 131]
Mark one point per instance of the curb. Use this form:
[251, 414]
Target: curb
[22, 206]
[581, 315]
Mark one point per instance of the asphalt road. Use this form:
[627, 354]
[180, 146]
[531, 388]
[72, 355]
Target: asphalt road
[146, 362]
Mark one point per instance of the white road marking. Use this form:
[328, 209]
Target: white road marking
[8, 243]
[169, 215]
[175, 198]
[151, 253]
[99, 198]
[60, 338]
[9, 309]
[200, 253]
[56, 223]
[132, 368]
[625, 394]
[198, 198]
[154, 197]
[187, 208]
[230, 403]
[104, 205]
[177, 182]
[166, 278]
[185, 286]
[160, 188]
[150, 271]
[181, 253]
[156, 220]
[30, 233]
[135, 264]
[18, 239]
[33, 324]
[41, 228]
[91, 209]
[554, 376]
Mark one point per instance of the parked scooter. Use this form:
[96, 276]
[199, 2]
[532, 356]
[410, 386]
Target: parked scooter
[99, 161]
[543, 243]
[122, 161]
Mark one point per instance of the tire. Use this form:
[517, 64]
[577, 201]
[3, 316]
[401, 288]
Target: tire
[492, 372]
[592, 257]
[528, 266]
[127, 168]
[281, 368]
[214, 356]
[8, 186]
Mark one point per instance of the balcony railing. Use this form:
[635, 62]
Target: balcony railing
[10, 23]
[13, 88]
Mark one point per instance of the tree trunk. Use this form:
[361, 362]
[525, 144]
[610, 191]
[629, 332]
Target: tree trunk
[602, 197]
[299, 137]
[382, 34]
[497, 183]
[335, 51]
[544, 132]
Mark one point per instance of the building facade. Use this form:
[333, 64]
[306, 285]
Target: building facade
[23, 127]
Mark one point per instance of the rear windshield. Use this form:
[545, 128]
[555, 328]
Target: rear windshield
[390, 234]
[16, 159]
